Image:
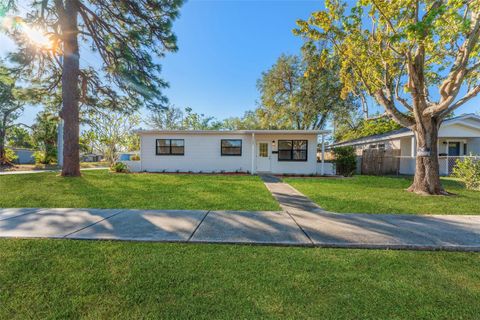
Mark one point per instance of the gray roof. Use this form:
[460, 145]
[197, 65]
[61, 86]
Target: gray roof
[393, 134]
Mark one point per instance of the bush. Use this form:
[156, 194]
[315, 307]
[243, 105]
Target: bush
[468, 171]
[345, 161]
[120, 167]
[42, 157]
[39, 157]
[135, 157]
[10, 157]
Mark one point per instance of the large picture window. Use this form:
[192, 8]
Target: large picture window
[174, 147]
[231, 147]
[292, 150]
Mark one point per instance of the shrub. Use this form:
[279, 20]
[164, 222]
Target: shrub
[135, 157]
[120, 167]
[42, 157]
[39, 157]
[468, 171]
[345, 161]
[10, 156]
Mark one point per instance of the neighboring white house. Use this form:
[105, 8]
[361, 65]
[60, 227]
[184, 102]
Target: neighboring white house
[24, 156]
[458, 137]
[253, 151]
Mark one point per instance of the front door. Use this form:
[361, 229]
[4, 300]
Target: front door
[454, 149]
[263, 156]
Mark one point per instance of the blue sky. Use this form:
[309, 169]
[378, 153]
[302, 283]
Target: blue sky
[223, 48]
[224, 45]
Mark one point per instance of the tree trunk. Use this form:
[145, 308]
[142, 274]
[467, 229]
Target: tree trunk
[70, 92]
[2, 147]
[427, 169]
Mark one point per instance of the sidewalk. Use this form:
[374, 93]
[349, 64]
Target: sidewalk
[295, 227]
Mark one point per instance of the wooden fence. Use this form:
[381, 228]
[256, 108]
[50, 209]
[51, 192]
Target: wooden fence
[380, 162]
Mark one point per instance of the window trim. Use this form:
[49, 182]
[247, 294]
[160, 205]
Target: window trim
[292, 150]
[231, 155]
[170, 148]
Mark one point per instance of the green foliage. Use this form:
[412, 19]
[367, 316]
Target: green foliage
[12, 100]
[468, 171]
[18, 137]
[249, 121]
[172, 118]
[111, 133]
[128, 39]
[120, 167]
[345, 161]
[10, 156]
[365, 128]
[400, 51]
[42, 157]
[300, 92]
[45, 137]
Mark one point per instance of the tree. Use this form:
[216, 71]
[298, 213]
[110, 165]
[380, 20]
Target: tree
[198, 121]
[19, 137]
[127, 35]
[111, 133]
[429, 49]
[296, 94]
[11, 107]
[249, 121]
[172, 118]
[45, 135]
[348, 130]
[169, 118]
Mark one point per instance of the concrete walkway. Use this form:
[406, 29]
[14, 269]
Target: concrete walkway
[293, 227]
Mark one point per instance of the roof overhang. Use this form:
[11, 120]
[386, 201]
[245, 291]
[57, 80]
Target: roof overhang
[235, 132]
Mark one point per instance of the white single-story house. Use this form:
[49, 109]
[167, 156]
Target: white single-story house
[458, 137]
[247, 151]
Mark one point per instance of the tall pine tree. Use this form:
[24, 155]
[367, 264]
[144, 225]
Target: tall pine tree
[128, 35]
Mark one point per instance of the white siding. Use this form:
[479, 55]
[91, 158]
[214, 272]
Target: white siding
[203, 153]
[473, 146]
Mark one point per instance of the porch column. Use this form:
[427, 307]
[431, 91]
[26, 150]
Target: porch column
[414, 142]
[322, 170]
[253, 153]
[446, 158]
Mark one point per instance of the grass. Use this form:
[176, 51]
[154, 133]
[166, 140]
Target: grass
[368, 194]
[101, 189]
[60, 279]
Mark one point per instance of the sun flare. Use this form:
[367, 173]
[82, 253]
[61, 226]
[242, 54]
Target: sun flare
[37, 37]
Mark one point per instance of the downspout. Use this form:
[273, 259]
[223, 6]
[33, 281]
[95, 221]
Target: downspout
[141, 153]
[322, 170]
[253, 153]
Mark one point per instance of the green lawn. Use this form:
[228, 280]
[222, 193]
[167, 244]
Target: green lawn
[101, 189]
[61, 279]
[368, 194]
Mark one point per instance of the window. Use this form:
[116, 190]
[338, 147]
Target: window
[381, 146]
[174, 147]
[231, 147]
[292, 150]
[465, 149]
[373, 146]
[263, 149]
